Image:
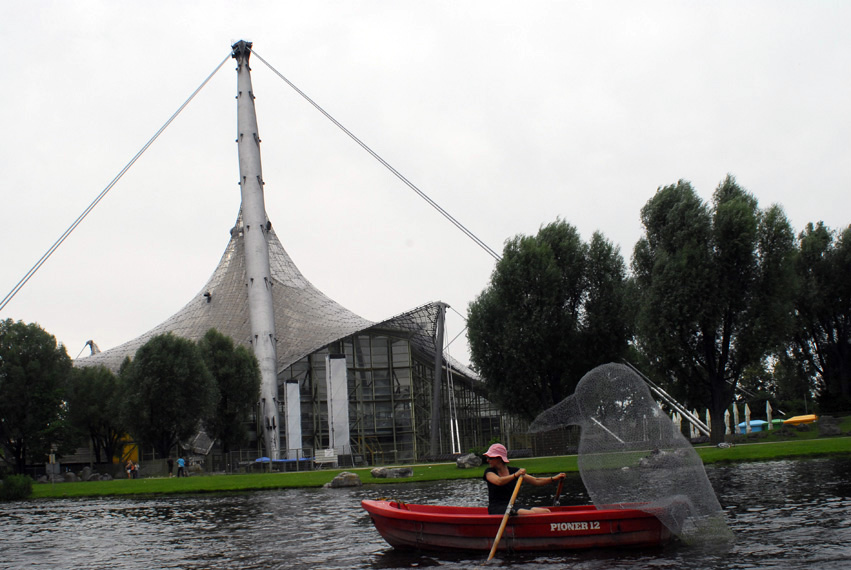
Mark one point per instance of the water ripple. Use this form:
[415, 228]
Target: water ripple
[785, 514]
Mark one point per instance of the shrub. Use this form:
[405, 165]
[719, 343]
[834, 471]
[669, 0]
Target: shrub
[480, 451]
[16, 487]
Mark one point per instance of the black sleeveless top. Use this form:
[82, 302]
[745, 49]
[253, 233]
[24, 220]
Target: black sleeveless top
[499, 495]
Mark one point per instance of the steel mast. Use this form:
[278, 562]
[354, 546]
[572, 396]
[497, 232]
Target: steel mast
[258, 275]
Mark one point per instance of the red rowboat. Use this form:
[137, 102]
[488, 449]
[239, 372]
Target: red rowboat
[471, 528]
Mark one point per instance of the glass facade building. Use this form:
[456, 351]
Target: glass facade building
[390, 392]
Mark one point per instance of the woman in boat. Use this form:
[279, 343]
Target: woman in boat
[501, 480]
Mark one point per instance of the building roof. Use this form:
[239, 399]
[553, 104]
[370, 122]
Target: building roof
[306, 319]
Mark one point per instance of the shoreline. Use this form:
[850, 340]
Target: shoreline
[247, 482]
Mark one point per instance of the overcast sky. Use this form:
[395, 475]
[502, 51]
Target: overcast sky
[507, 114]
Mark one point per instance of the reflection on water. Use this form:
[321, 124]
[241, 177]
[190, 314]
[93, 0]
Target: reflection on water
[785, 514]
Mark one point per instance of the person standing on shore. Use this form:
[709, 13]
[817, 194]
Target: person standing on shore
[181, 467]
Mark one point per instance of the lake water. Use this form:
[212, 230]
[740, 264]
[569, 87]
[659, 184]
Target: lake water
[784, 514]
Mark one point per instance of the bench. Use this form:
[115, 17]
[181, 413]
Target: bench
[325, 457]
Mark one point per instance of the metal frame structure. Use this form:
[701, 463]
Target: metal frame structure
[390, 389]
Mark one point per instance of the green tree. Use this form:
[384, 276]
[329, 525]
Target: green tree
[554, 309]
[237, 376]
[168, 392]
[33, 374]
[94, 409]
[715, 289]
[793, 385]
[822, 338]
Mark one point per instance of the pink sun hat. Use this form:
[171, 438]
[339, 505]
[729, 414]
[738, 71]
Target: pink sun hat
[497, 450]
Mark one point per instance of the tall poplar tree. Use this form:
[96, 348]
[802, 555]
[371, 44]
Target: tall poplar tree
[823, 312]
[168, 392]
[715, 286]
[34, 372]
[555, 308]
[94, 409]
[237, 375]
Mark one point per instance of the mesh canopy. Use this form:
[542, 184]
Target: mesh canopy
[632, 456]
[305, 318]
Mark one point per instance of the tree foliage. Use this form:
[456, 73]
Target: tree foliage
[792, 385]
[715, 289]
[555, 308]
[33, 374]
[822, 340]
[237, 375]
[168, 392]
[94, 409]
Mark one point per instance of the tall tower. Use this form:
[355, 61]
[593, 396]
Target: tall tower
[258, 297]
[258, 275]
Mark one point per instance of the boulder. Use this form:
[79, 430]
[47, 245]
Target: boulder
[344, 479]
[392, 473]
[661, 458]
[87, 474]
[828, 426]
[70, 477]
[469, 461]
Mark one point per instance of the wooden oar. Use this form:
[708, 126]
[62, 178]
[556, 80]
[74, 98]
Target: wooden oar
[558, 492]
[505, 518]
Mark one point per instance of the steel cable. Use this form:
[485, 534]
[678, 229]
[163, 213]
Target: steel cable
[377, 157]
[102, 194]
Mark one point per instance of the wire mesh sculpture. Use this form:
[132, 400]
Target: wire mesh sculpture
[632, 456]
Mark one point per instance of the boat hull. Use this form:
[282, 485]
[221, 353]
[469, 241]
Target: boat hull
[429, 527]
[798, 420]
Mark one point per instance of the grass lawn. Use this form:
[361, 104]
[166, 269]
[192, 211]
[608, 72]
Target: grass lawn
[756, 449]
